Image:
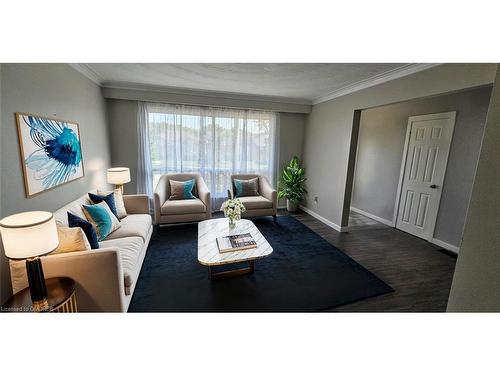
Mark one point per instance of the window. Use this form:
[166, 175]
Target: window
[213, 141]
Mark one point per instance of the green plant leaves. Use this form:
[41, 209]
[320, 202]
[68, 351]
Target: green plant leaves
[291, 184]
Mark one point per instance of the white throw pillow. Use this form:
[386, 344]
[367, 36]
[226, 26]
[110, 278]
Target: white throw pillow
[18, 276]
[71, 239]
[119, 204]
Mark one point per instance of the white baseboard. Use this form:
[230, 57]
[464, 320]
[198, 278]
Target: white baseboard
[372, 216]
[445, 245]
[338, 228]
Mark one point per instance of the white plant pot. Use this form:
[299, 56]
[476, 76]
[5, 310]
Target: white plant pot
[290, 206]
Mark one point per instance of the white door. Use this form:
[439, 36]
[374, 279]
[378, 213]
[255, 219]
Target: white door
[425, 157]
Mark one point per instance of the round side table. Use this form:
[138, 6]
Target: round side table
[60, 296]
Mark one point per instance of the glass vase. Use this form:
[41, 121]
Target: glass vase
[232, 223]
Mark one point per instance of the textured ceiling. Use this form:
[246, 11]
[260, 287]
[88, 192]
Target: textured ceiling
[297, 81]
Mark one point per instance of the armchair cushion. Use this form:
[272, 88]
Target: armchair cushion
[254, 203]
[181, 207]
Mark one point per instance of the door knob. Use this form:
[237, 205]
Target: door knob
[433, 186]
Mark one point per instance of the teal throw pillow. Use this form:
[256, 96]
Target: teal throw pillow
[181, 189]
[101, 218]
[246, 188]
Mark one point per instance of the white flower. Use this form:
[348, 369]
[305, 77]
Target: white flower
[233, 208]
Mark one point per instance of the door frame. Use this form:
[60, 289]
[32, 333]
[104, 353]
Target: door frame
[452, 115]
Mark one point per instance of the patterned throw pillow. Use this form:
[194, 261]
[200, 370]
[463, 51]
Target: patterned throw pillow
[109, 199]
[119, 204]
[246, 188]
[88, 229]
[71, 239]
[101, 218]
[181, 190]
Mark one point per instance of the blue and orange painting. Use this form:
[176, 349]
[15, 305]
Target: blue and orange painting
[51, 152]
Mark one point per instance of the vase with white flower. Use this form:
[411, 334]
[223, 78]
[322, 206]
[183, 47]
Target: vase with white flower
[233, 208]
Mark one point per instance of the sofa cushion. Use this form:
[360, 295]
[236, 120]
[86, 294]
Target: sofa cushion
[182, 207]
[134, 225]
[75, 208]
[254, 203]
[130, 249]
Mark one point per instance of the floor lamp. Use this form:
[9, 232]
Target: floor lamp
[29, 235]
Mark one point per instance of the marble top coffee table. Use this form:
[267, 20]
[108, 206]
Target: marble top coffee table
[208, 251]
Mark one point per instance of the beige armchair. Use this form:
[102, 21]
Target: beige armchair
[262, 205]
[180, 211]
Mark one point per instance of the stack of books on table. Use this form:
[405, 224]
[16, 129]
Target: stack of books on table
[236, 242]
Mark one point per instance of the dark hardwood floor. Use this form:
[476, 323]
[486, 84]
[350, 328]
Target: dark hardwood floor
[420, 272]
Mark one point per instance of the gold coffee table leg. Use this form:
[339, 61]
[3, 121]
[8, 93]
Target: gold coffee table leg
[231, 273]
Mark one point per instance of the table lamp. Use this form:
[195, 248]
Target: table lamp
[29, 235]
[118, 176]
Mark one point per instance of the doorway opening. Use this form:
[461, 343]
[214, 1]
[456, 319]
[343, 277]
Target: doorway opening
[412, 164]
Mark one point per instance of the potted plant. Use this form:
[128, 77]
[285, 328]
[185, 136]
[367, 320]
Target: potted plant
[291, 185]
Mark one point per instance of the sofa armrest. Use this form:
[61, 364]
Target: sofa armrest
[267, 191]
[98, 277]
[230, 190]
[160, 197]
[136, 203]
[204, 194]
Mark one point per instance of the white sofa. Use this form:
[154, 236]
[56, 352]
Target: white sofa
[106, 277]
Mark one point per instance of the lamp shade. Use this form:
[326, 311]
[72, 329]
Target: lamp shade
[29, 234]
[118, 176]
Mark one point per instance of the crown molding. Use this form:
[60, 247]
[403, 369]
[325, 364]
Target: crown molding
[202, 92]
[88, 72]
[403, 71]
[194, 98]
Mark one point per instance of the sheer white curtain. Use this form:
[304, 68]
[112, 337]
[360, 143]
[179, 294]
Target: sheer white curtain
[144, 173]
[216, 142]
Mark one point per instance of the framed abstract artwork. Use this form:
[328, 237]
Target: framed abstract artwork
[51, 153]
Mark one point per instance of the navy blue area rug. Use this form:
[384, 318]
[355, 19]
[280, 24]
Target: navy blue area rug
[304, 273]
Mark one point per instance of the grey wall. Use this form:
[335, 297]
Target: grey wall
[477, 276]
[0, 153]
[122, 115]
[291, 140]
[380, 149]
[329, 128]
[3, 288]
[59, 91]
